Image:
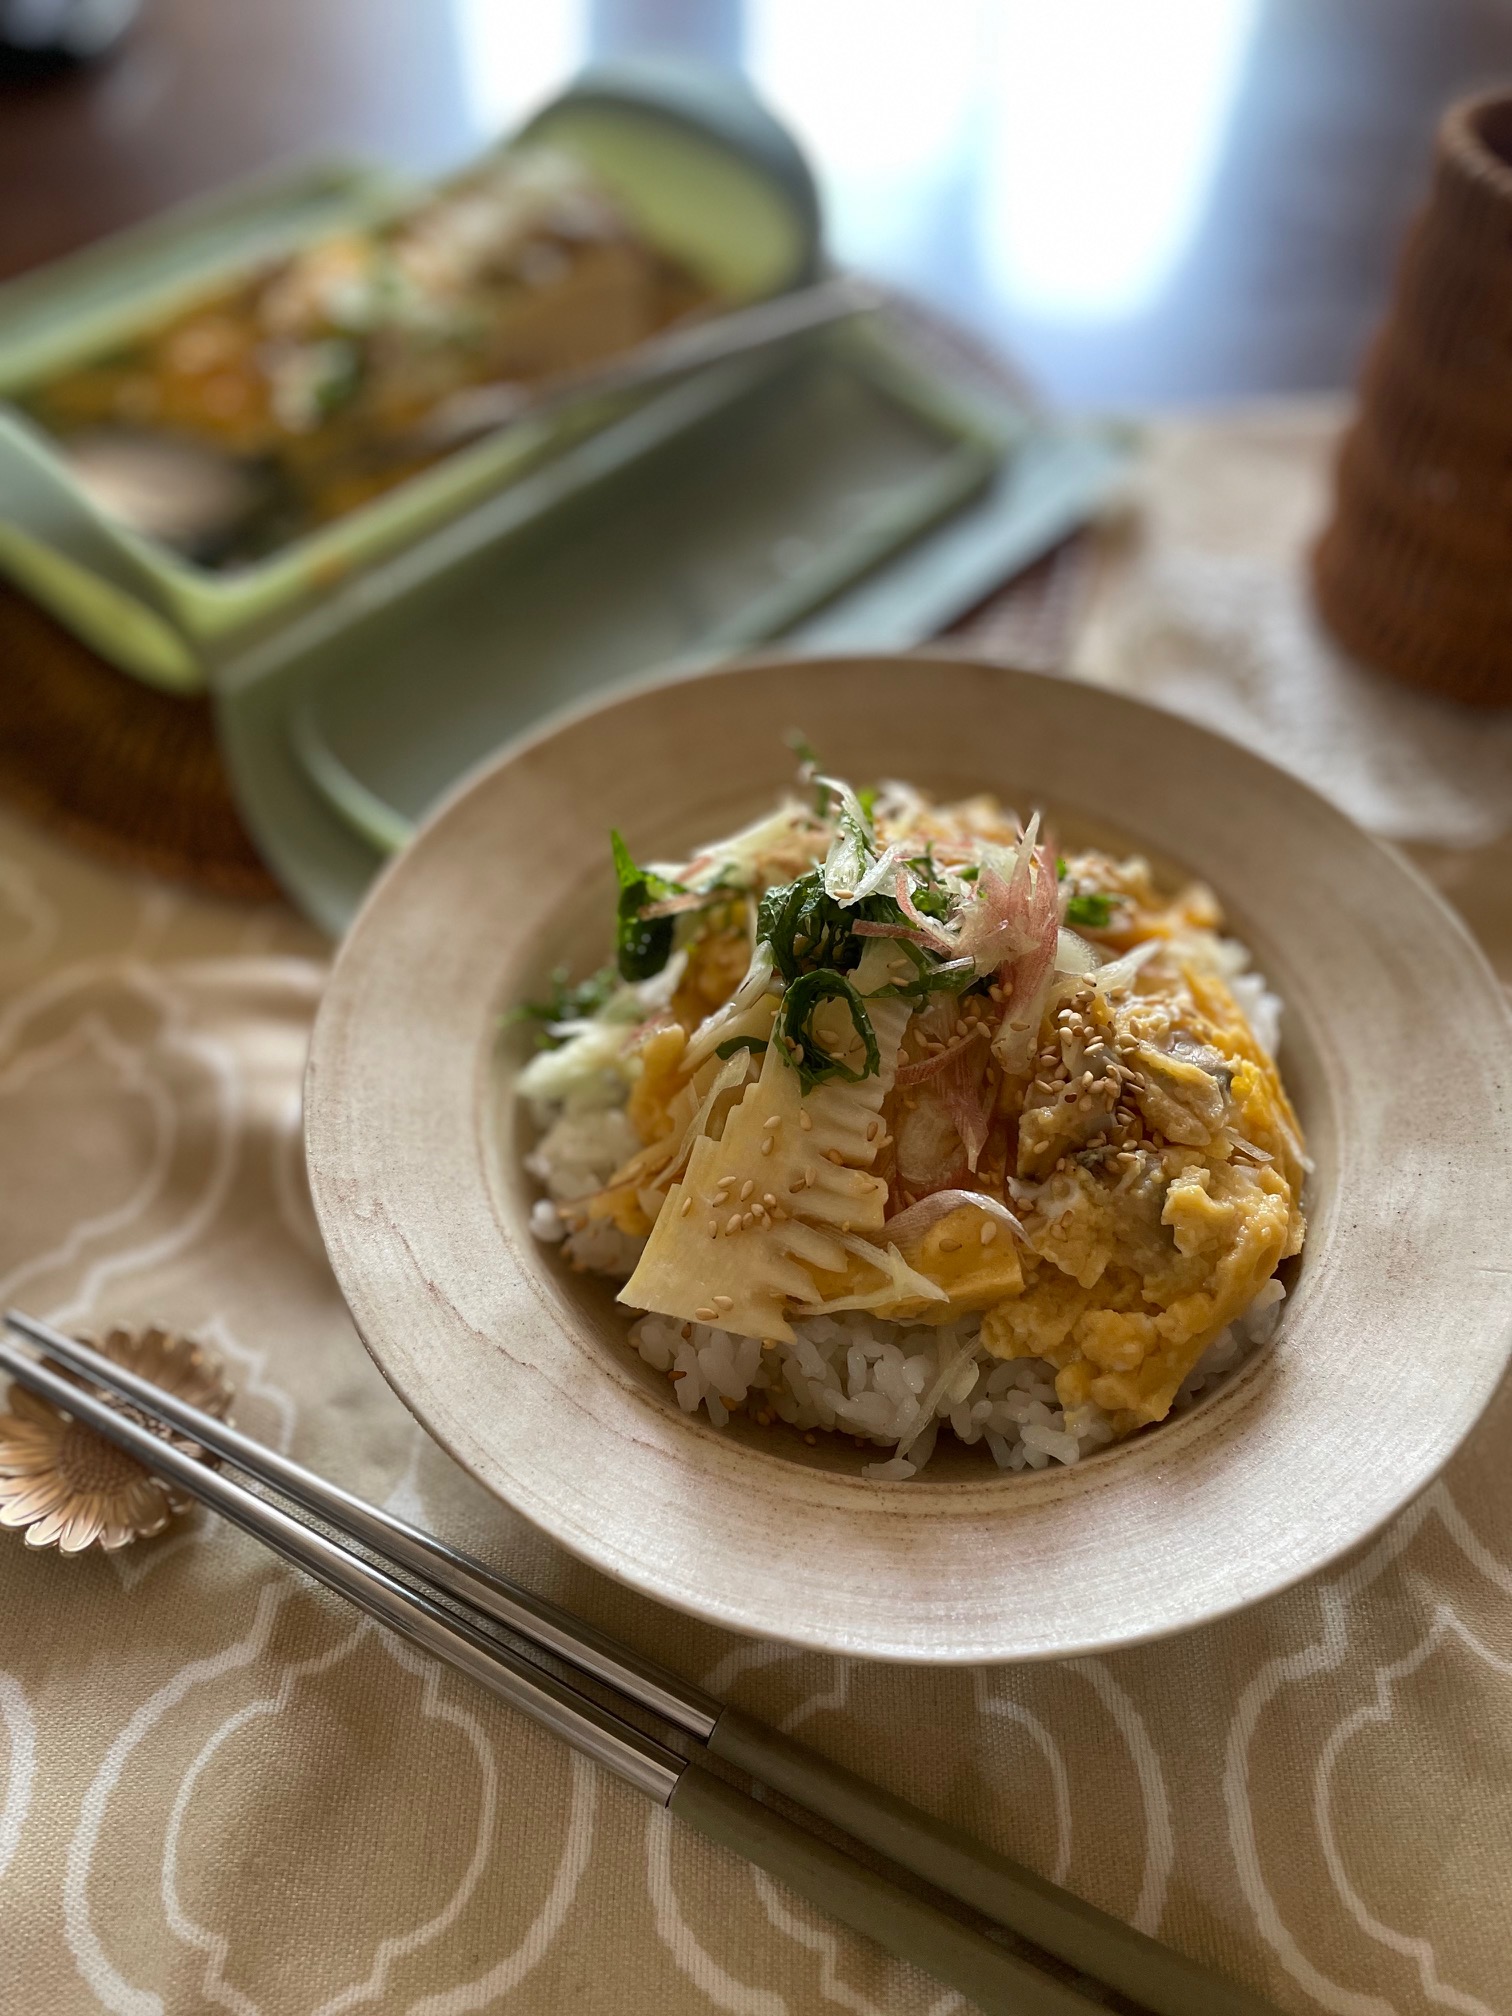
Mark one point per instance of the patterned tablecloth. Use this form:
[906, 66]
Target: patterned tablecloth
[219, 1790]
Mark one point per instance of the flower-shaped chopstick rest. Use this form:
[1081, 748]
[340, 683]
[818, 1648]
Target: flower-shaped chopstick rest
[65, 1486]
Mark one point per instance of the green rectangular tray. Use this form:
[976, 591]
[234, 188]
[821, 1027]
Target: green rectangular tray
[850, 500]
[135, 601]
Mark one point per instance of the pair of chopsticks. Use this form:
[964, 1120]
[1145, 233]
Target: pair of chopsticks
[451, 1604]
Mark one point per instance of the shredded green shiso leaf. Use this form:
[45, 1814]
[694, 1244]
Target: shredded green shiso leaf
[643, 945]
[795, 1032]
[568, 1001]
[809, 928]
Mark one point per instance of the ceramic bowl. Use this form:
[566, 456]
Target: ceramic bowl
[1395, 1333]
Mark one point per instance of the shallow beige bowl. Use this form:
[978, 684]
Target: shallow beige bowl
[1395, 1333]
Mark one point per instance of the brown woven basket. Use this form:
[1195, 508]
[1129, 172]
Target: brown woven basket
[131, 773]
[1414, 573]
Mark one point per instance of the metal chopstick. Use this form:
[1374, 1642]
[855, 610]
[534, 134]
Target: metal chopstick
[1055, 1920]
[469, 1580]
[525, 1686]
[1000, 1981]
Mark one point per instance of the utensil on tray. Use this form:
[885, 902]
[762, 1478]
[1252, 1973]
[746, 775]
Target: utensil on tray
[687, 346]
[448, 1602]
[193, 497]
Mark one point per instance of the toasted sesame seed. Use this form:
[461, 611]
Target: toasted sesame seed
[686, 1207]
[812, 1440]
[772, 1120]
[805, 1122]
[724, 1183]
[845, 1224]
[706, 1314]
[724, 1301]
[874, 1128]
[713, 1229]
[734, 1222]
[746, 1188]
[749, 1220]
[834, 1155]
[989, 1232]
[766, 1146]
[950, 1245]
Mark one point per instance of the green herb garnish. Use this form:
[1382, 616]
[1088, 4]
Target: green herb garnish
[928, 978]
[794, 1029]
[1094, 911]
[808, 757]
[809, 929]
[569, 1001]
[1061, 870]
[755, 1044]
[643, 945]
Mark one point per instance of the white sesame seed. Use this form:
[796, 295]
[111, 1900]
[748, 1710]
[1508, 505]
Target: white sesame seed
[989, 1232]
[687, 1206]
[734, 1222]
[805, 1122]
[746, 1188]
[724, 1301]
[706, 1314]
[772, 1120]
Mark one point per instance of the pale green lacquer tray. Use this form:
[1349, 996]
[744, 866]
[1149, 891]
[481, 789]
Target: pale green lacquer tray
[706, 172]
[844, 493]
[850, 501]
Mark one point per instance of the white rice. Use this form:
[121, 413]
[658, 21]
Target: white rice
[854, 1373]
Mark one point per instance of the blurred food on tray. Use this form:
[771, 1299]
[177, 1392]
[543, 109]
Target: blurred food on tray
[286, 400]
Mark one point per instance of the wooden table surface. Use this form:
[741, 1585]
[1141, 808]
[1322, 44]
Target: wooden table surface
[1144, 200]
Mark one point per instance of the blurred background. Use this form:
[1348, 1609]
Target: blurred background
[1154, 202]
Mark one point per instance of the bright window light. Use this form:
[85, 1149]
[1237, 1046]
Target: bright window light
[882, 95]
[1108, 121]
[515, 54]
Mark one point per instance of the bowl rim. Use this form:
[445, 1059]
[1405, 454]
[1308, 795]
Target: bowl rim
[1236, 1410]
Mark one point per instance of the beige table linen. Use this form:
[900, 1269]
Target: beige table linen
[220, 1790]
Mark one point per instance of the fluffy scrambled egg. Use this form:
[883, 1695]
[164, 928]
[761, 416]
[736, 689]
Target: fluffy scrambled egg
[1148, 1154]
